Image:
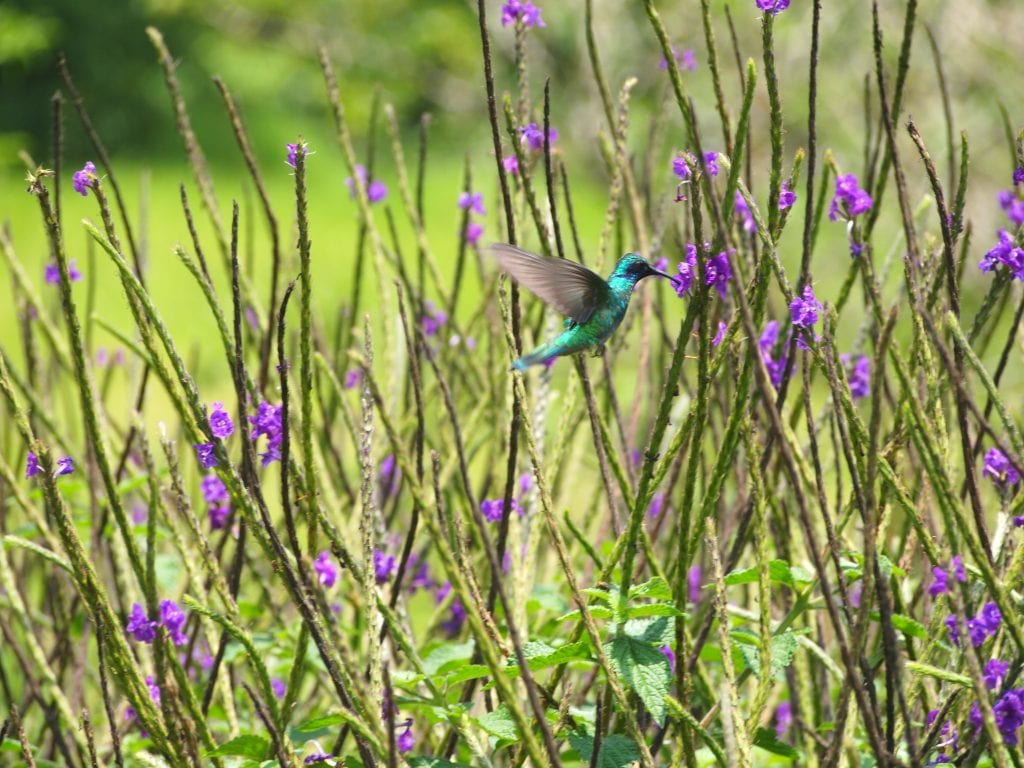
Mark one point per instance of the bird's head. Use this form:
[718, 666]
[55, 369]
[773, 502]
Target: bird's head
[634, 267]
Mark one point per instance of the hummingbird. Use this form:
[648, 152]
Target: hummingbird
[594, 306]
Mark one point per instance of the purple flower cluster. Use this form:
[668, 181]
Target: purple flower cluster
[143, 629]
[294, 150]
[376, 190]
[406, 741]
[1012, 205]
[51, 274]
[720, 334]
[474, 203]
[1008, 712]
[453, 624]
[947, 739]
[941, 583]
[783, 719]
[786, 197]
[352, 378]
[220, 422]
[532, 137]
[681, 164]
[805, 309]
[1007, 253]
[84, 178]
[774, 7]
[388, 476]
[64, 466]
[511, 164]
[998, 467]
[216, 496]
[267, 421]
[717, 272]
[769, 338]
[383, 566]
[669, 655]
[433, 319]
[130, 715]
[859, 376]
[685, 59]
[524, 10]
[325, 569]
[492, 509]
[979, 628]
[749, 225]
[849, 200]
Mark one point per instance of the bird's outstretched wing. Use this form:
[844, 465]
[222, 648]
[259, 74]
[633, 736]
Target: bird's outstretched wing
[569, 287]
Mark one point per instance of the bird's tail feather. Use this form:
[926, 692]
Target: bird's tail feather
[538, 357]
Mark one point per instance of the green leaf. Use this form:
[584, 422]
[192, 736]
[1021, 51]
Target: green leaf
[467, 672]
[597, 594]
[500, 724]
[319, 723]
[905, 624]
[597, 611]
[765, 739]
[616, 751]
[656, 589]
[644, 669]
[779, 571]
[246, 745]
[433, 762]
[439, 659]
[653, 609]
[541, 655]
[657, 631]
[546, 597]
[783, 648]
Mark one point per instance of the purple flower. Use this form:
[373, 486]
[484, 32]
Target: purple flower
[433, 319]
[693, 579]
[511, 164]
[453, 624]
[31, 466]
[205, 456]
[685, 59]
[352, 378]
[687, 272]
[52, 273]
[711, 162]
[720, 335]
[775, 7]
[473, 231]
[668, 653]
[267, 421]
[525, 483]
[214, 490]
[953, 627]
[1004, 252]
[375, 190]
[317, 757]
[805, 309]
[656, 506]
[717, 272]
[220, 422]
[786, 197]
[533, 137]
[472, 201]
[525, 10]
[859, 376]
[293, 151]
[1009, 714]
[405, 741]
[139, 625]
[957, 566]
[998, 467]
[990, 617]
[995, 671]
[1018, 174]
[173, 620]
[492, 509]
[325, 569]
[681, 168]
[420, 570]
[277, 685]
[783, 718]
[849, 200]
[65, 466]
[749, 225]
[1013, 206]
[941, 583]
[218, 516]
[388, 475]
[383, 566]
[84, 178]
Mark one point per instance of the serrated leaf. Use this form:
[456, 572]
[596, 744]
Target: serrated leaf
[616, 751]
[645, 669]
[766, 740]
[448, 653]
[658, 631]
[433, 762]
[783, 648]
[319, 723]
[904, 624]
[247, 745]
[597, 593]
[653, 609]
[779, 571]
[597, 611]
[546, 597]
[500, 724]
[467, 672]
[656, 589]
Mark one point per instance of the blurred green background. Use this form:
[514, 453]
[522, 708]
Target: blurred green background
[425, 57]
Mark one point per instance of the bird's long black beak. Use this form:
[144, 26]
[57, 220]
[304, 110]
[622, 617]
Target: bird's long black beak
[659, 273]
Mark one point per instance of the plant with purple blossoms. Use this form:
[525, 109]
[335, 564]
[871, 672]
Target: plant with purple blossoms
[220, 422]
[685, 60]
[325, 569]
[743, 210]
[532, 137]
[383, 566]
[859, 376]
[521, 10]
[85, 178]
[433, 318]
[998, 467]
[267, 422]
[787, 197]
[849, 200]
[51, 274]
[774, 7]
[376, 190]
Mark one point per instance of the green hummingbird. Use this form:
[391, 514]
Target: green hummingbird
[594, 306]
